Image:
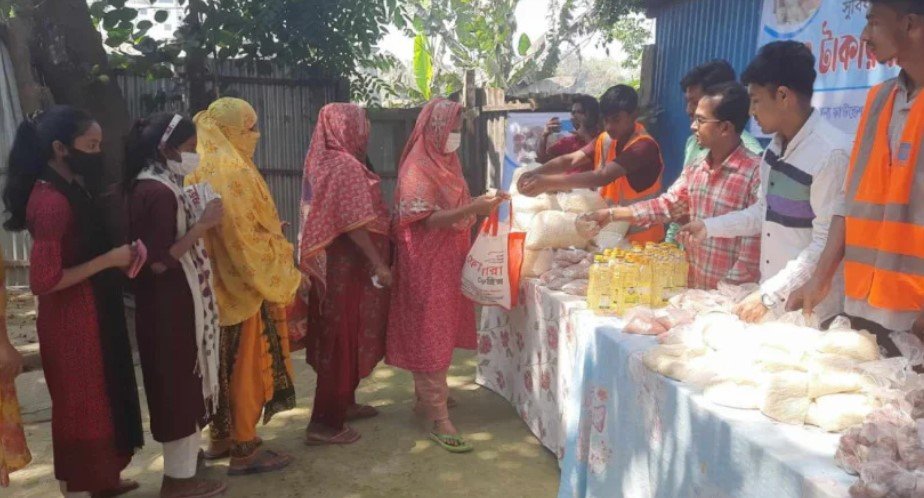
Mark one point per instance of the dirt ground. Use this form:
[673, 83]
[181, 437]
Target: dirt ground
[394, 459]
[20, 318]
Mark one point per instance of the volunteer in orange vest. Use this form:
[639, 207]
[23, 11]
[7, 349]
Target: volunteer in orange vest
[880, 235]
[726, 180]
[624, 162]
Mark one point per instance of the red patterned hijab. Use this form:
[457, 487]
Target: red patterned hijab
[429, 179]
[339, 193]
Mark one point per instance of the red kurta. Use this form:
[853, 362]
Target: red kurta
[82, 432]
[346, 333]
[165, 322]
[429, 316]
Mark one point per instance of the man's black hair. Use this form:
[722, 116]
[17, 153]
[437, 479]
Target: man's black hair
[783, 63]
[903, 6]
[708, 74]
[619, 98]
[734, 103]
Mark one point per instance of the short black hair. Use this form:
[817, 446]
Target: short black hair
[903, 6]
[591, 108]
[734, 103]
[619, 98]
[708, 74]
[783, 63]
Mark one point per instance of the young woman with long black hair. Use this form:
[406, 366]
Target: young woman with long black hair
[75, 272]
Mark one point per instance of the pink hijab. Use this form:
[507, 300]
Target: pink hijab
[339, 193]
[430, 179]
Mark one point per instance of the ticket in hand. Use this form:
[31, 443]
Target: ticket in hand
[200, 194]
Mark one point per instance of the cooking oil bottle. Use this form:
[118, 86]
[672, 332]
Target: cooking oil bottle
[644, 286]
[617, 285]
[630, 281]
[598, 286]
[660, 280]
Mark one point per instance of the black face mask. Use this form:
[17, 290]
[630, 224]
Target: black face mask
[85, 164]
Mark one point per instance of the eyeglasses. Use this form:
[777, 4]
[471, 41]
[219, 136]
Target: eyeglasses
[701, 120]
[577, 111]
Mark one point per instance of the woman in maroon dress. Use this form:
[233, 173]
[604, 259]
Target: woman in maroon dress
[74, 271]
[343, 244]
[176, 317]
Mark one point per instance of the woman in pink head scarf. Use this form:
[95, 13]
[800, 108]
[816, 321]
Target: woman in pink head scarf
[343, 245]
[434, 215]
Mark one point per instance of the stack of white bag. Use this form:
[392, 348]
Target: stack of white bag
[791, 373]
[549, 221]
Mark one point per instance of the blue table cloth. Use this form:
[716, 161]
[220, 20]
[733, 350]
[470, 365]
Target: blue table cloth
[633, 433]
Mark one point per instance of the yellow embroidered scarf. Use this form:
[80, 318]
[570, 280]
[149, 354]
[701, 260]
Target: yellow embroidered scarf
[252, 260]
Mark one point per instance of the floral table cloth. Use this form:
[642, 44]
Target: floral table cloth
[527, 355]
[620, 430]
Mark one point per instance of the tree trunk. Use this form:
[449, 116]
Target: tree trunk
[68, 52]
[69, 55]
[32, 96]
[195, 67]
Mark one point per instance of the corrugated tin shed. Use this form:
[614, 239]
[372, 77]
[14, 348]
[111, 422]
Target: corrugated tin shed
[687, 33]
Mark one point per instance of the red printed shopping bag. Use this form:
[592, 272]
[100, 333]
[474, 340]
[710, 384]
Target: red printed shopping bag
[491, 276]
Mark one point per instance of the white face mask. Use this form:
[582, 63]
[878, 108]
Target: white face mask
[453, 142]
[188, 163]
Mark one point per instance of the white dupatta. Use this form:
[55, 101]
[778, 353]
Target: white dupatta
[198, 271]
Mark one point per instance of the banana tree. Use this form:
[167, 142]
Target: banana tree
[480, 34]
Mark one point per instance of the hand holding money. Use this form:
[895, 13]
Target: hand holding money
[211, 217]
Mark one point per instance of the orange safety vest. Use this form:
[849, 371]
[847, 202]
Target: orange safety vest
[884, 257]
[620, 192]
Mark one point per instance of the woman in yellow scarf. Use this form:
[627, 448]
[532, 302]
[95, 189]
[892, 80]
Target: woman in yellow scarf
[255, 278]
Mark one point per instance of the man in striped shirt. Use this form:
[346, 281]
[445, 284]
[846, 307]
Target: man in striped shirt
[801, 178]
[725, 180]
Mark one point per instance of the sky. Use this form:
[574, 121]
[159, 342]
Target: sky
[531, 19]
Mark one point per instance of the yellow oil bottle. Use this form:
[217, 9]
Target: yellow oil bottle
[598, 286]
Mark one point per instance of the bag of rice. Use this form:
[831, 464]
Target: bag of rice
[859, 345]
[786, 398]
[533, 205]
[521, 221]
[580, 201]
[552, 230]
[836, 412]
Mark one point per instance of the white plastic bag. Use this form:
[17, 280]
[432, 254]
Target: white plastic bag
[553, 230]
[581, 201]
[491, 274]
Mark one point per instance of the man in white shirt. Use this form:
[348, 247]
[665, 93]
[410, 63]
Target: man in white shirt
[802, 174]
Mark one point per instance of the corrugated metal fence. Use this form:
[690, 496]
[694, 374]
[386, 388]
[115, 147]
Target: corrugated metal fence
[287, 107]
[688, 33]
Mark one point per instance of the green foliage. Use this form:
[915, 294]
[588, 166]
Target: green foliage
[523, 45]
[479, 35]
[633, 32]
[609, 12]
[325, 37]
[423, 65]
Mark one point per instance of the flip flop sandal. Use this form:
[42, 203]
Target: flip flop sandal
[263, 461]
[451, 443]
[342, 437]
[363, 412]
[125, 486]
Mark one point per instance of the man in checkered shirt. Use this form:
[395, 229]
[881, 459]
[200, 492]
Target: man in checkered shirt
[726, 180]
